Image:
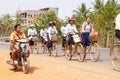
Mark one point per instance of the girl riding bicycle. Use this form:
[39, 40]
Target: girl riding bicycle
[87, 28]
[71, 30]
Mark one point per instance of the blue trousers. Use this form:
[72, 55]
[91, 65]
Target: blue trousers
[85, 39]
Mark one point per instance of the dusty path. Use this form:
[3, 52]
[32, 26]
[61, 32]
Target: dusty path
[44, 67]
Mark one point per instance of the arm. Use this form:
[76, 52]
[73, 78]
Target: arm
[75, 29]
[35, 31]
[41, 32]
[56, 30]
[82, 29]
[12, 38]
[28, 32]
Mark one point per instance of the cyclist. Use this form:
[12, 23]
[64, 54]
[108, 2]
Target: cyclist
[32, 32]
[16, 35]
[87, 28]
[64, 33]
[52, 29]
[71, 29]
[43, 34]
[51, 32]
[117, 26]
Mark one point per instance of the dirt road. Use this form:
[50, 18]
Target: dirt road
[44, 67]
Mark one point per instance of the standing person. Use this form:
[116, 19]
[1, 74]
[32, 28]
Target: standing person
[71, 30]
[64, 33]
[87, 28]
[16, 35]
[43, 34]
[117, 26]
[32, 32]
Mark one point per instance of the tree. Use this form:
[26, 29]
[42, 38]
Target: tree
[80, 15]
[18, 18]
[98, 4]
[6, 24]
[45, 19]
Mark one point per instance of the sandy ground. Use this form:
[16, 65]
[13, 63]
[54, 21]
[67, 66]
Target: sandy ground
[44, 67]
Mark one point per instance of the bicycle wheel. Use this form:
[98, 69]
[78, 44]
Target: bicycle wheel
[94, 52]
[55, 49]
[68, 55]
[31, 49]
[115, 57]
[25, 65]
[43, 48]
[82, 54]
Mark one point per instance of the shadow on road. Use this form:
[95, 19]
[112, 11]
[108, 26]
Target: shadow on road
[32, 69]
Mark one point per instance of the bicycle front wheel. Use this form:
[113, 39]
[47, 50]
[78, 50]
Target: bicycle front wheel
[82, 54]
[94, 52]
[115, 57]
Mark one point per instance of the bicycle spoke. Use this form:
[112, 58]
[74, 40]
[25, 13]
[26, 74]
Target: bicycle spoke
[115, 57]
[94, 52]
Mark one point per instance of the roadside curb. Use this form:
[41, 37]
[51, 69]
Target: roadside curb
[4, 42]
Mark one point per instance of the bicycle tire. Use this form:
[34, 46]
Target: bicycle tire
[115, 57]
[94, 52]
[82, 53]
[55, 50]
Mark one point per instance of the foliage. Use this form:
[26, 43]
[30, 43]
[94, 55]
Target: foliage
[6, 25]
[45, 19]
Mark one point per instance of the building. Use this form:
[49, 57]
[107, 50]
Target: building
[43, 10]
[28, 15]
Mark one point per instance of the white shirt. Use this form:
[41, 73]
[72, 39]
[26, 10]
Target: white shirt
[117, 22]
[52, 30]
[86, 27]
[71, 28]
[32, 32]
[43, 32]
[63, 31]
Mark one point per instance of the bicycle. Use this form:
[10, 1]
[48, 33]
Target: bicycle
[44, 47]
[115, 56]
[34, 48]
[53, 49]
[93, 49]
[68, 55]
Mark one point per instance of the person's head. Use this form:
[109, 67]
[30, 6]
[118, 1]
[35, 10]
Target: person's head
[43, 26]
[52, 24]
[88, 20]
[64, 23]
[71, 20]
[17, 28]
[31, 26]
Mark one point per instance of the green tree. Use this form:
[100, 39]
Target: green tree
[80, 15]
[18, 18]
[45, 19]
[6, 24]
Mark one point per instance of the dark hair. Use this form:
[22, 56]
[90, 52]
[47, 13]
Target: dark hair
[16, 26]
[52, 22]
[87, 17]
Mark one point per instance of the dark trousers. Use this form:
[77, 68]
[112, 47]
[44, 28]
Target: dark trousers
[63, 41]
[117, 33]
[85, 39]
